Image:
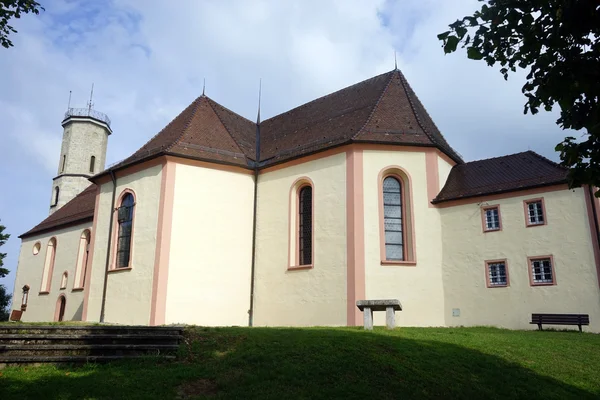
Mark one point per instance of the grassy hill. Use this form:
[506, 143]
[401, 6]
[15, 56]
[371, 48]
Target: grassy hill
[326, 363]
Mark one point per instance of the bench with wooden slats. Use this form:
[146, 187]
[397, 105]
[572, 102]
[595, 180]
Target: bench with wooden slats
[560, 319]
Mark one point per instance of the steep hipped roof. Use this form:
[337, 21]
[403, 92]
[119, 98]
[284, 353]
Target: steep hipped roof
[76, 211]
[204, 130]
[499, 175]
[383, 109]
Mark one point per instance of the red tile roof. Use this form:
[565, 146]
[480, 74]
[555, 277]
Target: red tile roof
[77, 211]
[500, 175]
[383, 109]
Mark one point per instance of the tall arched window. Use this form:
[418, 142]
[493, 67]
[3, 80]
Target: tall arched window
[56, 193]
[392, 214]
[92, 163]
[48, 266]
[64, 162]
[125, 221]
[305, 239]
[82, 260]
[396, 224]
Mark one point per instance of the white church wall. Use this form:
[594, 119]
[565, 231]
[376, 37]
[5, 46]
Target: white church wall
[129, 291]
[418, 287]
[566, 237]
[211, 247]
[302, 297]
[42, 307]
[444, 168]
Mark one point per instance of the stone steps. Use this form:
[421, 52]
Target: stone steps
[22, 344]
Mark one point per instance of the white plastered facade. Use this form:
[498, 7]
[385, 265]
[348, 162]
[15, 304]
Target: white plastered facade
[30, 271]
[211, 247]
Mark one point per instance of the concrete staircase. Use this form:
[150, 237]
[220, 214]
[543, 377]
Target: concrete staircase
[36, 344]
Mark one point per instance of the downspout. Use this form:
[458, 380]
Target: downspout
[110, 228]
[254, 212]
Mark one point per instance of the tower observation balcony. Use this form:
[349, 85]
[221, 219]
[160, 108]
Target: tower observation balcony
[87, 112]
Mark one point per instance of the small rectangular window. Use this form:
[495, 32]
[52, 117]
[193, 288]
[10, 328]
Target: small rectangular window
[92, 164]
[491, 219]
[541, 271]
[496, 273]
[534, 212]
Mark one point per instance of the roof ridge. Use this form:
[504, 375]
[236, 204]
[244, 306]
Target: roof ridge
[546, 159]
[229, 109]
[325, 96]
[187, 124]
[210, 101]
[387, 85]
[406, 87]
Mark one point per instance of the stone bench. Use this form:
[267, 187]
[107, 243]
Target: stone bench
[390, 307]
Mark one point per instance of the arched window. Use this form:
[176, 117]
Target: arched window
[392, 219]
[92, 163]
[82, 260]
[396, 225]
[56, 193]
[48, 266]
[305, 239]
[63, 280]
[125, 222]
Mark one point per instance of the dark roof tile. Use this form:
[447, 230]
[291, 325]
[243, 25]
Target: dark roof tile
[501, 174]
[78, 210]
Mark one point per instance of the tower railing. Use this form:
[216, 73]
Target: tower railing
[88, 112]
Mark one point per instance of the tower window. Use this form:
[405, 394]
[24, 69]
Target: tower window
[56, 193]
[92, 163]
[64, 161]
[125, 221]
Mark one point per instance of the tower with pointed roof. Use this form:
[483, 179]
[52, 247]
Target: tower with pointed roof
[82, 154]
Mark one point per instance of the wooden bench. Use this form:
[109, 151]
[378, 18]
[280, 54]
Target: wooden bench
[560, 319]
[389, 306]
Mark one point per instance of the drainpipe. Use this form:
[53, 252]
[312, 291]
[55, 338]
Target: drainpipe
[110, 227]
[256, 163]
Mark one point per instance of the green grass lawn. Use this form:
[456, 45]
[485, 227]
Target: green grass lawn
[347, 363]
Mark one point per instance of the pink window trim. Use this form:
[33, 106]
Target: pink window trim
[531, 282]
[408, 246]
[57, 308]
[483, 219]
[46, 290]
[294, 238]
[487, 273]
[526, 209]
[62, 277]
[115, 233]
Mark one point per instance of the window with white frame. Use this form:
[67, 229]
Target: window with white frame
[535, 213]
[492, 218]
[541, 271]
[497, 274]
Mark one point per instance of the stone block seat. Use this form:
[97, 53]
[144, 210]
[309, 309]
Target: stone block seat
[390, 306]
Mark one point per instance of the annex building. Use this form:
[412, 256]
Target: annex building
[219, 220]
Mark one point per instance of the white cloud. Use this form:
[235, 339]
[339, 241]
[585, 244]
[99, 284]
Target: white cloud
[148, 60]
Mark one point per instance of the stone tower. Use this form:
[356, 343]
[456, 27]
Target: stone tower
[82, 155]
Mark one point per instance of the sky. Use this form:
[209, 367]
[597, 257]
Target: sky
[148, 60]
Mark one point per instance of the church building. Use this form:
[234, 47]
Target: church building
[218, 221]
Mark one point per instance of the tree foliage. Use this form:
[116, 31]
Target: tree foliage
[557, 41]
[14, 9]
[4, 297]
[3, 238]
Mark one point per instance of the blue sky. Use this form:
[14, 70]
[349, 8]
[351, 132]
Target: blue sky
[148, 60]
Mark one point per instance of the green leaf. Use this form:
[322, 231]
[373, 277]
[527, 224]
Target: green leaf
[451, 43]
[474, 54]
[443, 36]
